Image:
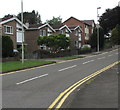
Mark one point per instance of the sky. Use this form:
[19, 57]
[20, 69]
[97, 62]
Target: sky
[80, 9]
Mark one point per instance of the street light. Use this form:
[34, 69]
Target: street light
[98, 29]
[22, 31]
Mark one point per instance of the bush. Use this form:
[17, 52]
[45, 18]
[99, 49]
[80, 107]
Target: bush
[7, 46]
[85, 49]
[48, 54]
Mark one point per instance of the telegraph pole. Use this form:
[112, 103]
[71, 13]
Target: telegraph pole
[22, 31]
[98, 30]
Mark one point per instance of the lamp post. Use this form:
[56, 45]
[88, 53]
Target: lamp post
[22, 31]
[98, 29]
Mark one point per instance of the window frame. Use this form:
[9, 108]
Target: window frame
[6, 29]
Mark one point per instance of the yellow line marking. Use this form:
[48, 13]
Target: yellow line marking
[68, 91]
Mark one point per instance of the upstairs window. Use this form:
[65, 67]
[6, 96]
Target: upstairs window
[8, 29]
[43, 33]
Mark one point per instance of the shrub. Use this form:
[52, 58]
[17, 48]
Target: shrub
[85, 49]
[7, 46]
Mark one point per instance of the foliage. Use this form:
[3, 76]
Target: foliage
[115, 38]
[108, 44]
[85, 48]
[55, 42]
[110, 19]
[55, 21]
[7, 16]
[93, 40]
[48, 54]
[30, 17]
[7, 46]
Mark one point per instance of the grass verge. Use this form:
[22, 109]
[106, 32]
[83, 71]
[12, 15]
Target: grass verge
[69, 57]
[17, 65]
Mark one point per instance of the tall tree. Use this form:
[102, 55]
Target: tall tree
[93, 40]
[31, 17]
[115, 38]
[110, 19]
[55, 21]
[7, 16]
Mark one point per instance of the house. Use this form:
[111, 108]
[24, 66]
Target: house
[63, 29]
[12, 27]
[32, 34]
[74, 32]
[75, 22]
[34, 31]
[86, 26]
[76, 36]
[91, 26]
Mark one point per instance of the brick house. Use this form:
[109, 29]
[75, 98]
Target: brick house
[34, 31]
[32, 34]
[12, 27]
[91, 26]
[86, 26]
[75, 22]
[76, 36]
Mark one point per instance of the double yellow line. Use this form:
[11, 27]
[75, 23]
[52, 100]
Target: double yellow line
[62, 97]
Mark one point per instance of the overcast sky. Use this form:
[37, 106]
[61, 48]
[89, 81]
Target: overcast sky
[81, 9]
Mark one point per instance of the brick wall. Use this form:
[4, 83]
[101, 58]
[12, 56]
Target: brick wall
[12, 36]
[31, 37]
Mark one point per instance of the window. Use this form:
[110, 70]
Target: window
[42, 32]
[62, 32]
[8, 29]
[76, 33]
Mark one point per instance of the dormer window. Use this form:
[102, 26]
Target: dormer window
[8, 29]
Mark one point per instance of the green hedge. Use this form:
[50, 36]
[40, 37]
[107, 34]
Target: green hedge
[7, 46]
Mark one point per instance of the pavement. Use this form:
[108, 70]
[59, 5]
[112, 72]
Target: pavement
[99, 92]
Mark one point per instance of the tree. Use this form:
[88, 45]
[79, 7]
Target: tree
[55, 42]
[115, 38]
[30, 17]
[7, 46]
[110, 19]
[7, 16]
[55, 21]
[93, 40]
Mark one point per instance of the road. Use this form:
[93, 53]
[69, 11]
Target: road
[39, 87]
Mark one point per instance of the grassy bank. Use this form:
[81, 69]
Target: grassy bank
[16, 65]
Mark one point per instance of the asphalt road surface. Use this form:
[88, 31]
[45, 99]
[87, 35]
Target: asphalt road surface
[39, 87]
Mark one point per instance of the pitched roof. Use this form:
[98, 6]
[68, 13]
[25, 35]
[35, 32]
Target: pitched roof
[39, 26]
[3, 21]
[35, 25]
[73, 18]
[75, 27]
[89, 22]
[60, 27]
[56, 27]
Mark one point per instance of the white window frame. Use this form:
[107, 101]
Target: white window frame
[6, 29]
[44, 33]
[41, 32]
